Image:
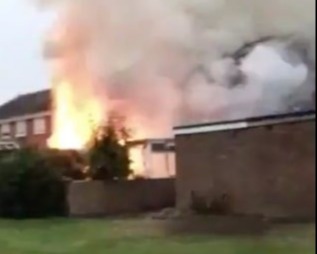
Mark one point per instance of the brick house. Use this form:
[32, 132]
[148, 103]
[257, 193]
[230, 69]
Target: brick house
[158, 157]
[26, 121]
[258, 166]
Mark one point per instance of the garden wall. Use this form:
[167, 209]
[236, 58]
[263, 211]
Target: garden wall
[97, 198]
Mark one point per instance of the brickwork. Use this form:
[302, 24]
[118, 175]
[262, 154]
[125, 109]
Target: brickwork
[267, 170]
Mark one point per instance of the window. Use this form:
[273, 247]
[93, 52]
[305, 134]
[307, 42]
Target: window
[5, 131]
[39, 126]
[21, 129]
[163, 147]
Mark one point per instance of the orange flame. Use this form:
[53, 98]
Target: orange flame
[74, 118]
[137, 161]
[78, 108]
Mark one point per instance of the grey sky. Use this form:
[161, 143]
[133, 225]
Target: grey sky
[22, 68]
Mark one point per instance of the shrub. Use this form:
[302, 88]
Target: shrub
[219, 205]
[108, 155]
[29, 187]
[71, 164]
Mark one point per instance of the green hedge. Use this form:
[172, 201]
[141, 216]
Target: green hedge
[30, 187]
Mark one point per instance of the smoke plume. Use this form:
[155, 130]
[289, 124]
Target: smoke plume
[183, 61]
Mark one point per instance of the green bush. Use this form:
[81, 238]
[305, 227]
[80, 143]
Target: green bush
[30, 187]
[108, 154]
[70, 163]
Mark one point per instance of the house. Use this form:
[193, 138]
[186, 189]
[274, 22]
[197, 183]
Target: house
[26, 121]
[257, 166]
[153, 158]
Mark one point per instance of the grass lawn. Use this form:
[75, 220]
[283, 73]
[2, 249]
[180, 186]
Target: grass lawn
[142, 237]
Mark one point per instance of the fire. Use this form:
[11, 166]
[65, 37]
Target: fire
[137, 161]
[77, 113]
[78, 108]
[74, 118]
[80, 103]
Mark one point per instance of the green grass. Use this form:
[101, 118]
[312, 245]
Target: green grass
[62, 236]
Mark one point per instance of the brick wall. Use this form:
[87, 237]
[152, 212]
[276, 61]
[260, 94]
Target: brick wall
[37, 140]
[96, 198]
[31, 139]
[265, 170]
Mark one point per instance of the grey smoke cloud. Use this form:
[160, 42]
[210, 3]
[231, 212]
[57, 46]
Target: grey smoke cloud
[142, 52]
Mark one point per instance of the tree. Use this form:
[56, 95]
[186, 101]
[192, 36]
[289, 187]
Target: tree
[108, 153]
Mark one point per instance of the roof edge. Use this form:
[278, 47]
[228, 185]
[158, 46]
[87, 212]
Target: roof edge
[245, 123]
[24, 104]
[149, 141]
[25, 117]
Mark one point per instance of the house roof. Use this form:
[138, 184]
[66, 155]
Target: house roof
[150, 141]
[245, 123]
[26, 104]
[156, 145]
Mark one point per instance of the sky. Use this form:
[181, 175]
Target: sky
[23, 28]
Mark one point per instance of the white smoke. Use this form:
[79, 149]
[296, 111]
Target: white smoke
[275, 78]
[144, 51]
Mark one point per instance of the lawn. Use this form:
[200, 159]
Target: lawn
[139, 236]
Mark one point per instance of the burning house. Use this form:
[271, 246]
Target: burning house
[172, 62]
[153, 158]
[27, 121]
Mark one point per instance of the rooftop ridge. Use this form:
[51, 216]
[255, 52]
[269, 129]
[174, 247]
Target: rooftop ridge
[275, 117]
[25, 104]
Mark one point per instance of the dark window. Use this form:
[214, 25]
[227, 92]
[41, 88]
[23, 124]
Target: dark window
[162, 147]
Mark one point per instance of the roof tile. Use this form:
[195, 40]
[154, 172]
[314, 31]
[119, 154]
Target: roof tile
[27, 104]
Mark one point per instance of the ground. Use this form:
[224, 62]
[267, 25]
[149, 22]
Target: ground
[141, 236]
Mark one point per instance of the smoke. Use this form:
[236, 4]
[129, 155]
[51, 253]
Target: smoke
[180, 61]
